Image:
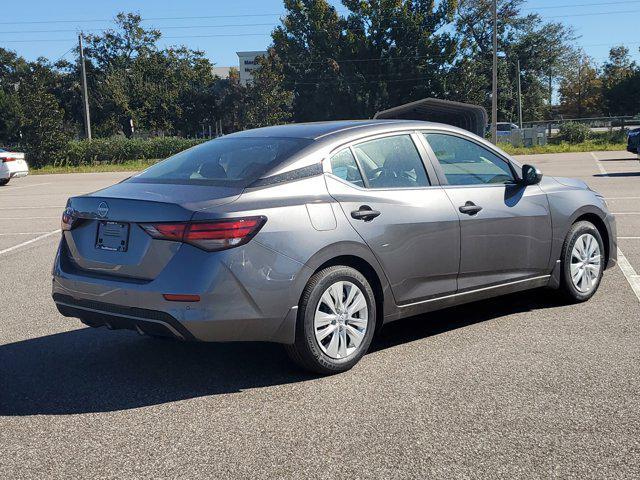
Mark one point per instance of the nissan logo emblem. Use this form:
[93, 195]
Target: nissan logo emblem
[103, 209]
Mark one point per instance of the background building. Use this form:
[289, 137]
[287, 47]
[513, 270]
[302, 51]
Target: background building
[222, 72]
[247, 64]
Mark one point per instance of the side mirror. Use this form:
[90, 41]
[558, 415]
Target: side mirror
[531, 175]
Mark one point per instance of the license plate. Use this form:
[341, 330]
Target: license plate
[113, 236]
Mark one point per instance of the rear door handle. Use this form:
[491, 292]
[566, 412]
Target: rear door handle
[365, 212]
[469, 208]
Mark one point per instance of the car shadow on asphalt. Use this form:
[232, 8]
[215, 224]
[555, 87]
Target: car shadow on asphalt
[93, 370]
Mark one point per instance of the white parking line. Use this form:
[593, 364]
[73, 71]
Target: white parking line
[12, 188]
[21, 233]
[600, 167]
[632, 277]
[628, 271]
[625, 213]
[628, 238]
[28, 242]
[32, 208]
[622, 198]
[26, 218]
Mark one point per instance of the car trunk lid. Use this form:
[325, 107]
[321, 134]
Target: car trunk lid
[107, 239]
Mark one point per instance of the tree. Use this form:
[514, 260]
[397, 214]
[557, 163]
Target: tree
[384, 52]
[542, 48]
[159, 90]
[231, 96]
[41, 120]
[581, 90]
[267, 102]
[620, 83]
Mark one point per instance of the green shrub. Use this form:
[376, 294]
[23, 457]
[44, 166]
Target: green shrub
[119, 149]
[573, 132]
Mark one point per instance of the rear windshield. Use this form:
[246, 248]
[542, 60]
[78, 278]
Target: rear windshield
[223, 162]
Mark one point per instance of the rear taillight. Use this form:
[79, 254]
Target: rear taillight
[210, 236]
[8, 159]
[67, 221]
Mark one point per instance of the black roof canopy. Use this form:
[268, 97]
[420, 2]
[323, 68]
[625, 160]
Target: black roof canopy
[464, 115]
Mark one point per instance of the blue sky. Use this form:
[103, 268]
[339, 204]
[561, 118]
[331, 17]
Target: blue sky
[598, 29]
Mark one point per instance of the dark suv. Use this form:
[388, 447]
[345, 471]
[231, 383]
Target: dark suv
[633, 141]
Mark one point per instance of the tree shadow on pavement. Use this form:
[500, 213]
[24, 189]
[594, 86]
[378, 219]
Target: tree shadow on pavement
[93, 370]
[626, 159]
[618, 174]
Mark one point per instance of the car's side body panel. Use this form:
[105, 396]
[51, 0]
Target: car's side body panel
[509, 239]
[416, 238]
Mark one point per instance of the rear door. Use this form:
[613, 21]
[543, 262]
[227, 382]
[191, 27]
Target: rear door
[406, 219]
[505, 226]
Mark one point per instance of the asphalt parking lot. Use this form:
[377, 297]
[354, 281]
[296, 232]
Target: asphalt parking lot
[519, 386]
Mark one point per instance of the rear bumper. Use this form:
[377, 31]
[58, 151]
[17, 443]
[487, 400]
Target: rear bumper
[240, 298]
[115, 317]
[7, 171]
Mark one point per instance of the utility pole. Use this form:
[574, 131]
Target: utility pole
[519, 98]
[85, 93]
[494, 89]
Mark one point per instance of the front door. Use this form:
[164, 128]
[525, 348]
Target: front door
[410, 225]
[505, 226]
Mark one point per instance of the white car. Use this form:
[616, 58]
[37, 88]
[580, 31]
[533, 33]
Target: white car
[12, 165]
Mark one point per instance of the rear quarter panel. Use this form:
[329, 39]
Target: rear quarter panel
[305, 224]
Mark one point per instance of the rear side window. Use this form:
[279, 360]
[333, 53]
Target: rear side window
[391, 162]
[223, 162]
[467, 163]
[344, 166]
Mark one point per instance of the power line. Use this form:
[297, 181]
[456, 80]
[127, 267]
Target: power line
[171, 37]
[157, 28]
[593, 14]
[243, 25]
[151, 19]
[596, 4]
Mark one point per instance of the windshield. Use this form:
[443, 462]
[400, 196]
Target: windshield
[223, 162]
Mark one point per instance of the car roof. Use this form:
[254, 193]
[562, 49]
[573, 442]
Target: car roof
[318, 130]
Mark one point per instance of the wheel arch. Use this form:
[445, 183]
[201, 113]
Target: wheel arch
[359, 257]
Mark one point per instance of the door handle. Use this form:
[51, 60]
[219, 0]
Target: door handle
[365, 212]
[470, 208]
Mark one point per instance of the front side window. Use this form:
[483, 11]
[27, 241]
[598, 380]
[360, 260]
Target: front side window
[223, 162]
[391, 162]
[467, 163]
[344, 166]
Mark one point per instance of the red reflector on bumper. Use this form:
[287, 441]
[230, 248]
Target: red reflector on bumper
[181, 298]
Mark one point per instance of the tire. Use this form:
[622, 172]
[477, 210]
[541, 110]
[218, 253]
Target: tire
[581, 291]
[353, 330]
[4, 181]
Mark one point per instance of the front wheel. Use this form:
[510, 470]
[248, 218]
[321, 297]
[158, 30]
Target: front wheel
[582, 262]
[4, 181]
[336, 321]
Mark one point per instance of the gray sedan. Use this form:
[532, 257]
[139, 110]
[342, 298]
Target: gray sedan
[316, 235]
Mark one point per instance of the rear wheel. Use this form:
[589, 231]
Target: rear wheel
[4, 181]
[336, 321]
[582, 262]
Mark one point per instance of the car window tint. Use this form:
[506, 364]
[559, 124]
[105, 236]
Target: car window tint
[343, 165]
[467, 163]
[391, 162]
